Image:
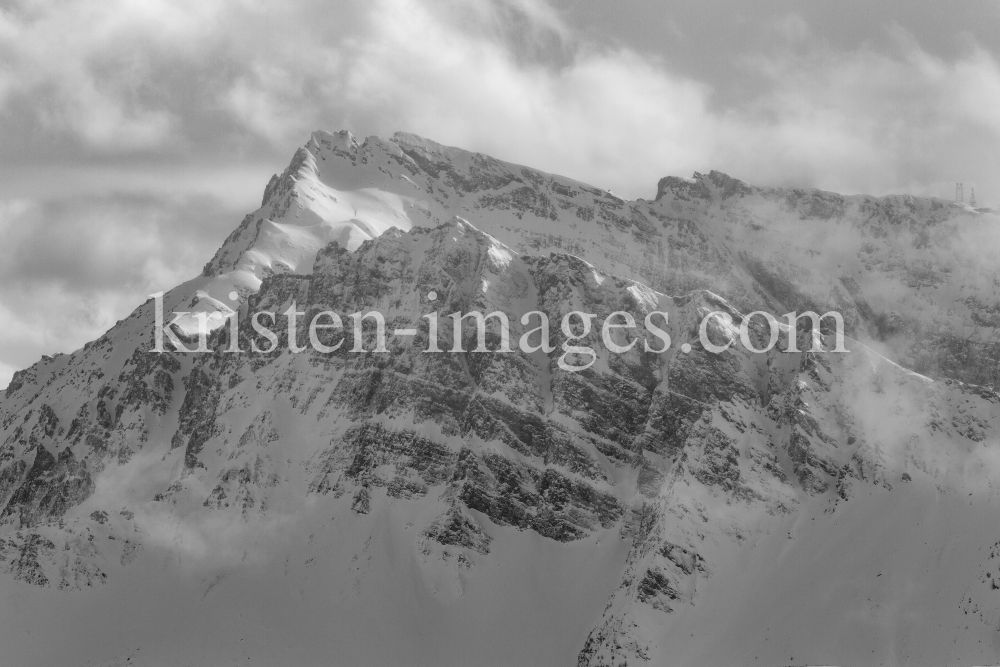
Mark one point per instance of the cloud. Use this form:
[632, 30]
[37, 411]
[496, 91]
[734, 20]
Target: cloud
[155, 77]
[70, 267]
[860, 120]
[600, 117]
[247, 80]
[866, 121]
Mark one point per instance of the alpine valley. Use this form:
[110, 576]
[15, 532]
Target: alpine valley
[486, 508]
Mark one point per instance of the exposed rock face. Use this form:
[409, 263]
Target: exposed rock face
[512, 443]
[690, 463]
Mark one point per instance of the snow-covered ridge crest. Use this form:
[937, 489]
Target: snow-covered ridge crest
[879, 261]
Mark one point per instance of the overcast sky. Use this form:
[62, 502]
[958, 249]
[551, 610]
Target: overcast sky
[135, 135]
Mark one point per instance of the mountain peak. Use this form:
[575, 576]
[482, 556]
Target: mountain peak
[337, 141]
[417, 141]
[715, 185]
[688, 487]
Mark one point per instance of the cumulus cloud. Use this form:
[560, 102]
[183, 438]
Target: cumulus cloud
[70, 267]
[604, 116]
[225, 89]
[209, 80]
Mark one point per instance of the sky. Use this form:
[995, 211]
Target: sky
[135, 135]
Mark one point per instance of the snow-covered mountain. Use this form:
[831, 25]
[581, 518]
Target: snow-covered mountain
[489, 508]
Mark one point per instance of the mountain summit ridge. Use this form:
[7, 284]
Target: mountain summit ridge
[760, 250]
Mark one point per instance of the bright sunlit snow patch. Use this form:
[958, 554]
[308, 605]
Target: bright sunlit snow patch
[645, 296]
[500, 255]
